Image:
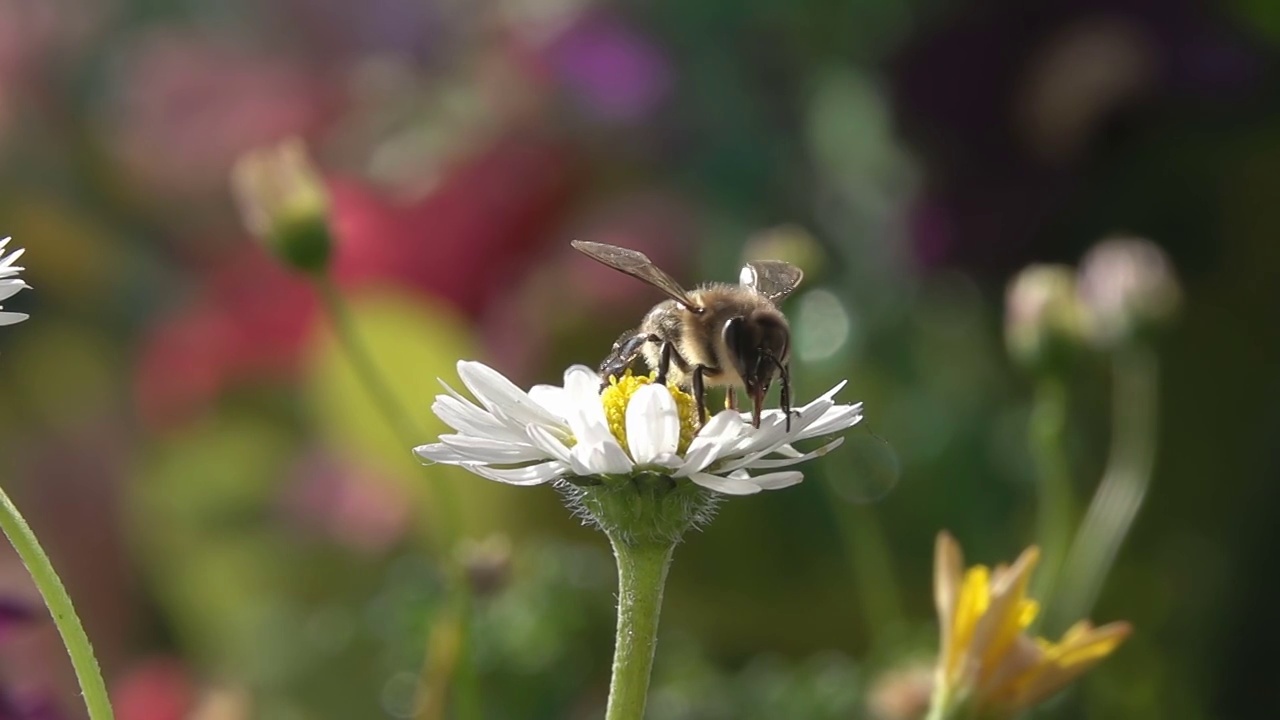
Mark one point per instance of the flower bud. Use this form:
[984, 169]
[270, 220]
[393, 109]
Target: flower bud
[1129, 287]
[791, 243]
[283, 201]
[1044, 321]
[487, 564]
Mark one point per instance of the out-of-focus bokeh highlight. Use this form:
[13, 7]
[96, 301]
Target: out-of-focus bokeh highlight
[245, 534]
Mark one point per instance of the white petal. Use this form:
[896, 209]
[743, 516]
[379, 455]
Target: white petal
[531, 475]
[439, 452]
[547, 443]
[501, 396]
[488, 450]
[586, 413]
[757, 463]
[653, 424]
[725, 486]
[553, 398]
[471, 420]
[9, 318]
[712, 441]
[6, 263]
[840, 417]
[9, 288]
[581, 370]
[600, 458]
[778, 480]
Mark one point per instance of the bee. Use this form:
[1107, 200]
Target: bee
[717, 335]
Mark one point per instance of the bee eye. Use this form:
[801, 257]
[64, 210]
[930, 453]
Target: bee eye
[735, 336]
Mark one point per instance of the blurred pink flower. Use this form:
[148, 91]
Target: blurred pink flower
[475, 233]
[616, 72]
[191, 105]
[467, 239]
[514, 330]
[35, 37]
[347, 503]
[248, 320]
[159, 688]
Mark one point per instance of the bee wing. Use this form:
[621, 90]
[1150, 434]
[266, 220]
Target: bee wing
[773, 279]
[635, 264]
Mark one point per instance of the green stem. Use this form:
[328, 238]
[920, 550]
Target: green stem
[366, 370]
[1057, 511]
[871, 562]
[465, 683]
[60, 607]
[1122, 489]
[642, 573]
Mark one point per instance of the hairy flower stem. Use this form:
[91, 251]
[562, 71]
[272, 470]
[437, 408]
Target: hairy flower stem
[60, 607]
[642, 574]
[455, 622]
[1057, 512]
[1122, 489]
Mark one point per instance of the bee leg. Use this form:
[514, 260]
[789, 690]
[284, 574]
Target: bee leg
[664, 361]
[785, 392]
[700, 394]
[731, 398]
[624, 352]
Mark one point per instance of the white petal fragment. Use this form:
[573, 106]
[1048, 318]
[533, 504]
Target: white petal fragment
[501, 396]
[653, 425]
[10, 287]
[778, 480]
[531, 475]
[724, 485]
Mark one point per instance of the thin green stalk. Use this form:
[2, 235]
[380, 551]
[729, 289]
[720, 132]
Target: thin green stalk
[366, 370]
[642, 574]
[60, 607]
[465, 685]
[1122, 489]
[1056, 514]
[877, 588]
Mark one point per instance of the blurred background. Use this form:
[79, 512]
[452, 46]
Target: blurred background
[246, 537]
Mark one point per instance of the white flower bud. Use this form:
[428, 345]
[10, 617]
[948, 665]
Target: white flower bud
[1129, 288]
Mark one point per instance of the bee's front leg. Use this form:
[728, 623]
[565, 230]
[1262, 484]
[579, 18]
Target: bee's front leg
[700, 393]
[731, 398]
[624, 352]
[785, 393]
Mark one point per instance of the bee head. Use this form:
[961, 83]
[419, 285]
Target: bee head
[758, 347]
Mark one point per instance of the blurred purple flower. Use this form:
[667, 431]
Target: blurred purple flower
[15, 704]
[1011, 105]
[616, 72]
[406, 28]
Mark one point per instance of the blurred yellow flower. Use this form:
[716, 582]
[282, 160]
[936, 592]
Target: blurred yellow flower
[988, 665]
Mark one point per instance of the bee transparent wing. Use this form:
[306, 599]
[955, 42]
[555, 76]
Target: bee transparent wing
[773, 279]
[635, 264]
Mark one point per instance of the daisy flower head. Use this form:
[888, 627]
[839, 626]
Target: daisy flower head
[988, 665]
[9, 283]
[632, 439]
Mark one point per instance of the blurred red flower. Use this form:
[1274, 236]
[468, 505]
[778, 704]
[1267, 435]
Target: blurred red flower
[475, 232]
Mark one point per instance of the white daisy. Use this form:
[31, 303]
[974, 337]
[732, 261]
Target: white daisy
[10, 285]
[575, 431]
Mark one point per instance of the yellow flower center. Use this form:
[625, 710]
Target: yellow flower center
[618, 394]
